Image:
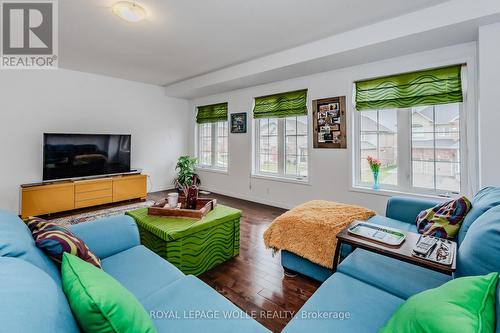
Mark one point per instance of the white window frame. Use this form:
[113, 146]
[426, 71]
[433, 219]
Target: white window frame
[213, 166]
[280, 175]
[404, 140]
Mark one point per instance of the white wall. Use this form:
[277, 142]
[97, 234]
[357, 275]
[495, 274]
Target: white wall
[329, 168]
[489, 107]
[36, 101]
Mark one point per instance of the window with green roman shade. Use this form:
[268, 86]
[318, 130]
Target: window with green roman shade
[293, 103]
[428, 87]
[212, 113]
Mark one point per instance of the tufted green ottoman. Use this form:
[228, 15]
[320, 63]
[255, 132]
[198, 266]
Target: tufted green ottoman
[194, 246]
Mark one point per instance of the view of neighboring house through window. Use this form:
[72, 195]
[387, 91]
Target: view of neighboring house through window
[205, 144]
[281, 135]
[379, 131]
[296, 146]
[282, 146]
[436, 147]
[268, 145]
[433, 134]
[213, 145]
[221, 145]
[212, 136]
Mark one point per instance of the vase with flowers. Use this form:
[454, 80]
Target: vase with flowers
[375, 167]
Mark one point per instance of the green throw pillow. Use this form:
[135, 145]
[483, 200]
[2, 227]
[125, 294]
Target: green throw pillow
[465, 305]
[99, 302]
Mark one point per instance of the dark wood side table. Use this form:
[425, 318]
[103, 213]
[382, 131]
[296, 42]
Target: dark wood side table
[402, 252]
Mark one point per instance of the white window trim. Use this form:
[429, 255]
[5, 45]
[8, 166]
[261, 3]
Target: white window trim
[211, 168]
[280, 176]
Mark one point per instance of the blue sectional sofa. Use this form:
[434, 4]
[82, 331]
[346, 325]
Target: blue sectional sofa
[32, 300]
[367, 288]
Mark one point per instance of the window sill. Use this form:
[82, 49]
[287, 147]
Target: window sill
[390, 193]
[282, 179]
[214, 170]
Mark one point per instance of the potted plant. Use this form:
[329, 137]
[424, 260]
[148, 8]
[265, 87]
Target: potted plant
[187, 178]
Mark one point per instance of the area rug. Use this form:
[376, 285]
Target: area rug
[100, 213]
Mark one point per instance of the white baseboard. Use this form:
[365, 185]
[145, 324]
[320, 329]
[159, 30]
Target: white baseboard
[248, 198]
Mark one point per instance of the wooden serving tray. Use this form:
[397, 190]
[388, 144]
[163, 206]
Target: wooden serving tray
[203, 206]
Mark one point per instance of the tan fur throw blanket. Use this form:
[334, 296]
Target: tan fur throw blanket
[309, 230]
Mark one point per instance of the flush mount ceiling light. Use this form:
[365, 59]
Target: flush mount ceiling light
[129, 11]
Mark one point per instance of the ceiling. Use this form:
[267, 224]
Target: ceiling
[185, 38]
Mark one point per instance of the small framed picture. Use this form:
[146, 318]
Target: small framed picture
[334, 113]
[335, 127]
[328, 136]
[239, 122]
[324, 108]
[333, 106]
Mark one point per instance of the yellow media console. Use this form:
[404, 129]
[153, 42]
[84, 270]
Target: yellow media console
[73, 194]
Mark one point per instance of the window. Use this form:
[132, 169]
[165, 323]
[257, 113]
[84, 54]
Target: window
[282, 147]
[411, 123]
[419, 148]
[213, 145]
[379, 137]
[281, 135]
[212, 136]
[435, 152]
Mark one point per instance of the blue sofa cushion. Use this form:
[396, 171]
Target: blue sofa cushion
[479, 252]
[141, 271]
[368, 308]
[118, 232]
[406, 209]
[485, 199]
[16, 242]
[388, 222]
[31, 301]
[404, 279]
[190, 306]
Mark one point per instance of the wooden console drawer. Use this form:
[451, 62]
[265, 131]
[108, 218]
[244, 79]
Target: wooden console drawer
[106, 193]
[93, 185]
[129, 187]
[93, 202]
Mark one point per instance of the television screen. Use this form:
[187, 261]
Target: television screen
[82, 155]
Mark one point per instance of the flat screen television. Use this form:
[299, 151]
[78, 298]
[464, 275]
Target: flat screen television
[84, 155]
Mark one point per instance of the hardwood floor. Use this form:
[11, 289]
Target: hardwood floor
[254, 280]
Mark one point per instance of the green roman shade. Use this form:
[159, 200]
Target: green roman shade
[212, 113]
[429, 87]
[293, 103]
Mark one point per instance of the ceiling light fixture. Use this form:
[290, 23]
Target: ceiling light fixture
[129, 11]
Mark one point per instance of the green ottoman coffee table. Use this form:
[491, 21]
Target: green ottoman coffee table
[193, 245]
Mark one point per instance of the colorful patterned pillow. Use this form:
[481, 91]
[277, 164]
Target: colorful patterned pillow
[443, 220]
[54, 240]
